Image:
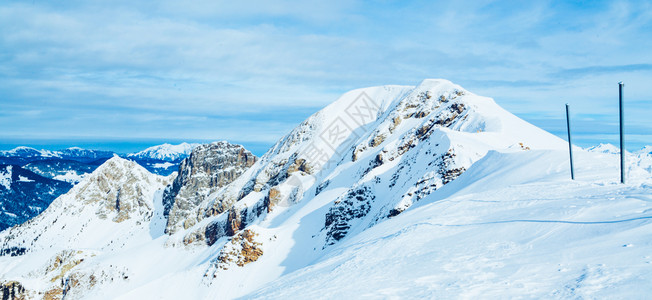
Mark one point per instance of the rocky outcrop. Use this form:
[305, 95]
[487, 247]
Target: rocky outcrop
[12, 290]
[241, 250]
[208, 168]
[64, 278]
[227, 224]
[122, 189]
[355, 204]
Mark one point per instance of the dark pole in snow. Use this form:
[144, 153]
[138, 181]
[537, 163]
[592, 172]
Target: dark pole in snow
[570, 143]
[621, 85]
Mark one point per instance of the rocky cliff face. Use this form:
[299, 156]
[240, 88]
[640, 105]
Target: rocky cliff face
[208, 168]
[120, 189]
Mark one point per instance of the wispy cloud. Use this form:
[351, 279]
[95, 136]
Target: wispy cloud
[601, 70]
[216, 69]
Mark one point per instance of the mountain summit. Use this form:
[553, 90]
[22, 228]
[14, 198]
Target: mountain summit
[119, 191]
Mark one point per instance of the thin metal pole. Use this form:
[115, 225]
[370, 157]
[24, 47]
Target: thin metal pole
[570, 143]
[621, 85]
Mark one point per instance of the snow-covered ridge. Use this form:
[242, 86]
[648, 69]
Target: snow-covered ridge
[402, 142]
[23, 151]
[72, 152]
[637, 160]
[604, 148]
[166, 152]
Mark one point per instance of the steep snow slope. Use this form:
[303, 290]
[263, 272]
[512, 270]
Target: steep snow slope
[512, 226]
[165, 152]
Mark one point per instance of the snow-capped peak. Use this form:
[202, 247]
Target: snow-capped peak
[119, 194]
[68, 153]
[645, 150]
[23, 151]
[604, 148]
[167, 152]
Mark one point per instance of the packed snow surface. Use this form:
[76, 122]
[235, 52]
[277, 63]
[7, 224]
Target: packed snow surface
[513, 225]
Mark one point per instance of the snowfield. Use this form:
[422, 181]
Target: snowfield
[512, 226]
[442, 194]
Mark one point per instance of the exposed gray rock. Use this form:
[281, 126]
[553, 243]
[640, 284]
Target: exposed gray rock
[122, 187]
[208, 168]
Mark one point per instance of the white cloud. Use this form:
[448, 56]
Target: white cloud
[191, 64]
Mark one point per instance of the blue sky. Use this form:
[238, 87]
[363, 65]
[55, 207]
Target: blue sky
[129, 74]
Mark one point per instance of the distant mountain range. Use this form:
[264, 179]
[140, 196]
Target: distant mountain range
[165, 152]
[161, 159]
[22, 155]
[30, 179]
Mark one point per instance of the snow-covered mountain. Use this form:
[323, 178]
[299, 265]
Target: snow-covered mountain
[389, 192]
[165, 152]
[639, 160]
[23, 151]
[50, 173]
[604, 148]
[111, 209]
[84, 155]
[65, 167]
[61, 169]
[22, 155]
